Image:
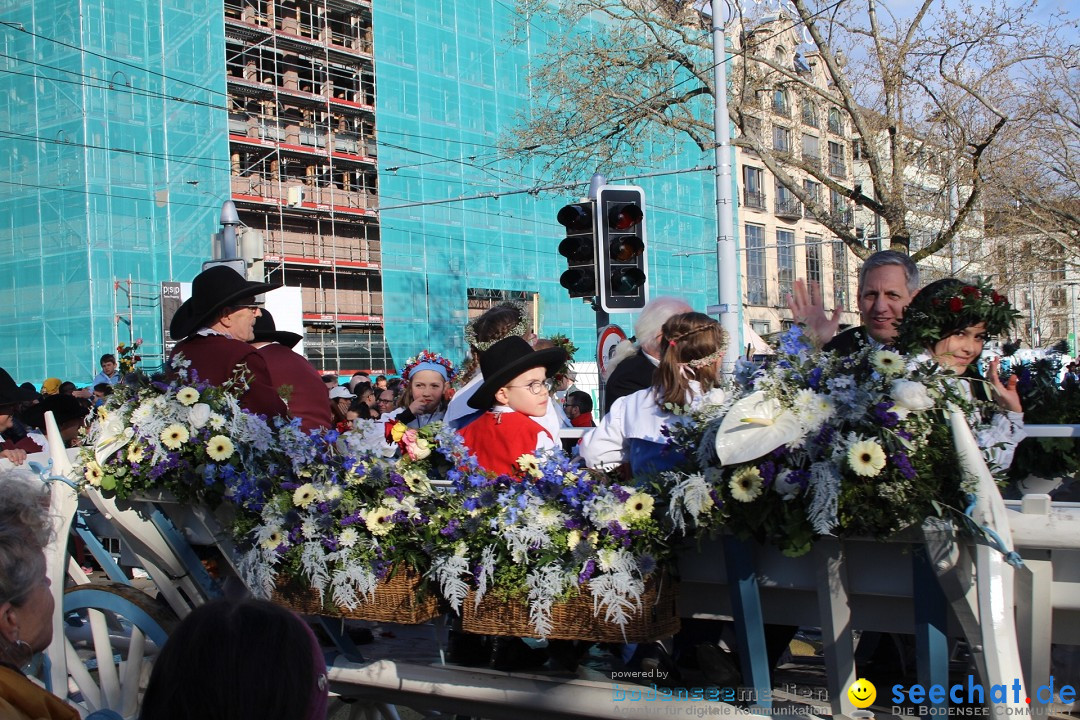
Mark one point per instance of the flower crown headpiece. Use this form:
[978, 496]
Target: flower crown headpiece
[707, 359]
[954, 307]
[520, 329]
[428, 360]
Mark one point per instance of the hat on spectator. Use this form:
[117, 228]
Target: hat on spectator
[211, 290]
[340, 391]
[266, 331]
[10, 393]
[51, 386]
[507, 359]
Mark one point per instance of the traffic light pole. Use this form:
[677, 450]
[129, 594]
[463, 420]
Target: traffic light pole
[602, 321]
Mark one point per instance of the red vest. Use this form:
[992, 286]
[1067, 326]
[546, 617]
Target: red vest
[215, 357]
[309, 400]
[499, 439]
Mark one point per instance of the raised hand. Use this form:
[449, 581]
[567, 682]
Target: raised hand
[1005, 395]
[807, 308]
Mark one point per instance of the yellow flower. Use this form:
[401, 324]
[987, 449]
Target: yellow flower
[530, 465]
[746, 484]
[187, 396]
[136, 453]
[93, 474]
[272, 540]
[378, 521]
[887, 362]
[638, 506]
[573, 538]
[398, 431]
[304, 495]
[866, 458]
[174, 436]
[220, 448]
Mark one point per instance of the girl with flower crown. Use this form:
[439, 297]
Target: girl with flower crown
[426, 378]
[691, 350]
[948, 322]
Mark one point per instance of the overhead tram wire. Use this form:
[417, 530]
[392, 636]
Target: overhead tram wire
[107, 195]
[183, 159]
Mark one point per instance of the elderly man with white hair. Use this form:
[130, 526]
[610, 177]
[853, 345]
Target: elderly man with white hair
[635, 360]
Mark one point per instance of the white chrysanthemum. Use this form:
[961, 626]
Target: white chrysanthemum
[310, 529]
[273, 539]
[887, 362]
[812, 408]
[136, 452]
[348, 537]
[746, 484]
[304, 495]
[378, 521]
[217, 421]
[174, 436]
[866, 458]
[334, 493]
[93, 474]
[142, 414]
[638, 506]
[607, 559]
[220, 448]
[187, 396]
[548, 517]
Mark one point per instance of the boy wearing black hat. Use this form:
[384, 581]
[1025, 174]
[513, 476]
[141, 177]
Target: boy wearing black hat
[514, 392]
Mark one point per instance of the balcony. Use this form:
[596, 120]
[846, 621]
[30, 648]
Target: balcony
[810, 118]
[812, 160]
[844, 217]
[755, 200]
[781, 109]
[265, 191]
[837, 168]
[789, 208]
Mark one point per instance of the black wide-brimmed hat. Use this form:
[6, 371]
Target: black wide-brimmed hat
[11, 393]
[211, 290]
[64, 409]
[266, 331]
[505, 360]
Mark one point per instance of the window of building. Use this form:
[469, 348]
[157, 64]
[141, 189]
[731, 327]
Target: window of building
[836, 124]
[757, 284]
[787, 205]
[813, 194]
[753, 187]
[813, 259]
[840, 274]
[837, 167]
[811, 150]
[781, 139]
[1057, 298]
[785, 261]
[809, 113]
[858, 150]
[780, 104]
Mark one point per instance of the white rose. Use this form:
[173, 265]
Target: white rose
[910, 396]
[199, 415]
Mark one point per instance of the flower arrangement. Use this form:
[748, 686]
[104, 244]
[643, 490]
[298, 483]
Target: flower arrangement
[550, 532]
[180, 435]
[127, 357]
[426, 357]
[819, 444]
[956, 307]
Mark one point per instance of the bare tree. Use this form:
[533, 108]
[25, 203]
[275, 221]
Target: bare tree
[629, 76]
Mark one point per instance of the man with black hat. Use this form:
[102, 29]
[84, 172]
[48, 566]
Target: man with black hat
[11, 398]
[307, 398]
[215, 326]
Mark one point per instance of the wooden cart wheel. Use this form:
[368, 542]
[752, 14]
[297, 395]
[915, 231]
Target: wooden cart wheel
[113, 634]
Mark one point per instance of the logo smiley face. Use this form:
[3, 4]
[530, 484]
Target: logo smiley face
[862, 693]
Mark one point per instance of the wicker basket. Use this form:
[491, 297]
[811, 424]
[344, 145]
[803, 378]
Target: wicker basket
[401, 598]
[574, 619]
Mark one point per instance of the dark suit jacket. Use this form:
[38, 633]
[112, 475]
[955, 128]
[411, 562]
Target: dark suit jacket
[849, 341]
[309, 400]
[632, 374]
[215, 357]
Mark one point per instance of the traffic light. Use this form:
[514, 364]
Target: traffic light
[579, 249]
[622, 265]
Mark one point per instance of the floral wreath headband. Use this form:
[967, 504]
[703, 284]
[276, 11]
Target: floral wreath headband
[707, 359]
[954, 307]
[520, 329]
[428, 360]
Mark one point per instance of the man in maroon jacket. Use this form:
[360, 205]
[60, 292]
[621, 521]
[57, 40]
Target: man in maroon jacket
[215, 326]
[307, 396]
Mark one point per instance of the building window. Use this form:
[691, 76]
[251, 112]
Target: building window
[787, 205]
[1057, 298]
[781, 139]
[813, 259]
[858, 150]
[811, 151]
[757, 287]
[839, 209]
[753, 189]
[780, 103]
[809, 113]
[785, 261]
[840, 274]
[836, 125]
[837, 167]
[813, 194]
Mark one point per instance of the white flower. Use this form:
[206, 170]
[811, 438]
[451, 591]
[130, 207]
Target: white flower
[638, 506]
[813, 408]
[755, 426]
[304, 495]
[187, 396]
[273, 539]
[198, 415]
[348, 537]
[548, 517]
[309, 528]
[746, 484]
[530, 465]
[887, 362]
[334, 493]
[174, 436]
[220, 448]
[573, 538]
[608, 558]
[910, 396]
[93, 473]
[788, 490]
[217, 421]
[136, 453]
[866, 458]
[378, 521]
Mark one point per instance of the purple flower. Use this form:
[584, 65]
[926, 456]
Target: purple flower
[586, 572]
[903, 464]
[881, 412]
[768, 472]
[450, 529]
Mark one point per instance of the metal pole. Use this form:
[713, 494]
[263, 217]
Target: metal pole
[727, 269]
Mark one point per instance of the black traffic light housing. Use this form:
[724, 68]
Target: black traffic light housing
[579, 249]
[622, 261]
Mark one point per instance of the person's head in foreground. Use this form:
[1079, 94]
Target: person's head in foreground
[516, 376]
[691, 348]
[888, 280]
[26, 602]
[952, 320]
[246, 660]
